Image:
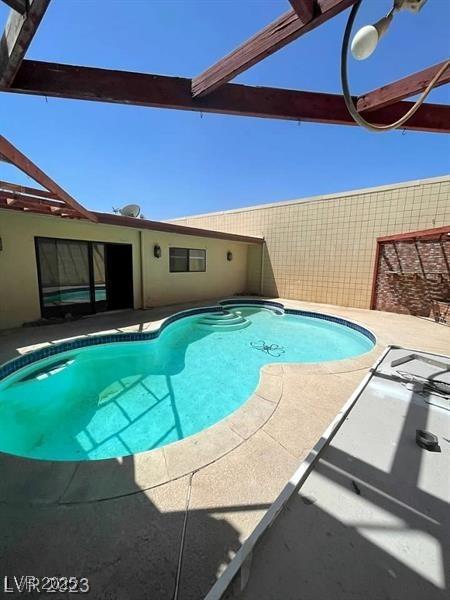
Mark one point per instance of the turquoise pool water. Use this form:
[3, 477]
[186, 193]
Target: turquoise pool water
[117, 399]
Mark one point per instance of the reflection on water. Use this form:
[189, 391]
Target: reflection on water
[71, 295]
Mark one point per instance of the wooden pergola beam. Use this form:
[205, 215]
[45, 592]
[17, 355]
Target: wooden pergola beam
[23, 189]
[19, 6]
[36, 205]
[20, 204]
[37, 210]
[304, 9]
[403, 88]
[19, 31]
[278, 34]
[15, 197]
[157, 91]
[26, 166]
[411, 235]
[64, 212]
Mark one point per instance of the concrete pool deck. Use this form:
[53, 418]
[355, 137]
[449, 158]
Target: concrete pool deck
[139, 528]
[368, 496]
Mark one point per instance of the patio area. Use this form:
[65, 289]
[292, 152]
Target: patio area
[174, 172]
[164, 524]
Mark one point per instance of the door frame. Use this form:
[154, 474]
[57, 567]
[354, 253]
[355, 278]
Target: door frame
[107, 272]
[90, 244]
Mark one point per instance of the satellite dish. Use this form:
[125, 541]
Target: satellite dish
[130, 210]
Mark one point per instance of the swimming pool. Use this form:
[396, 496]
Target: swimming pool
[99, 398]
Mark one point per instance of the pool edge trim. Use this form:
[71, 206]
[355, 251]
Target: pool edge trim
[17, 363]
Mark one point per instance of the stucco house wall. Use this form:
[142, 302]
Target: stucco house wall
[153, 284]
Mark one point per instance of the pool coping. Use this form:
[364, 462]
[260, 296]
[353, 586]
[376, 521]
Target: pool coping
[15, 364]
[74, 482]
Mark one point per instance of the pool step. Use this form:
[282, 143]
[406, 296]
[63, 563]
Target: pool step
[222, 322]
[225, 316]
[215, 327]
[226, 321]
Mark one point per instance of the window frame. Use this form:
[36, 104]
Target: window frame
[188, 257]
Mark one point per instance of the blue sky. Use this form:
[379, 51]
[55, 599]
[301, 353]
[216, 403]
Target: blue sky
[175, 163]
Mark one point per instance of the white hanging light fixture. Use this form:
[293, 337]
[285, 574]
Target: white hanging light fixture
[363, 45]
[366, 39]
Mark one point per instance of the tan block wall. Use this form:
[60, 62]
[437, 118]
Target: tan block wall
[322, 249]
[19, 292]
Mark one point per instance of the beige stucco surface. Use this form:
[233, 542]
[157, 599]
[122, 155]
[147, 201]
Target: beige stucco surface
[322, 249]
[19, 293]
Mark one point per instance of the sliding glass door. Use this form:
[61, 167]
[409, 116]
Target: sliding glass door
[64, 271]
[99, 275]
[78, 277]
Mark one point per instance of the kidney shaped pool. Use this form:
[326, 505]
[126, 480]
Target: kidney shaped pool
[118, 398]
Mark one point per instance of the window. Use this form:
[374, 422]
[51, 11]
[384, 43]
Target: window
[179, 260]
[197, 260]
[187, 259]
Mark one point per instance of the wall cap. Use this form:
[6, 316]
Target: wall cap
[320, 198]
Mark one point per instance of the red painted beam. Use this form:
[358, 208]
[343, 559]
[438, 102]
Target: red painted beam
[23, 163]
[18, 204]
[19, 6]
[404, 88]
[304, 9]
[376, 266]
[41, 210]
[25, 200]
[23, 189]
[412, 235]
[18, 34]
[32, 204]
[37, 210]
[157, 91]
[278, 34]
